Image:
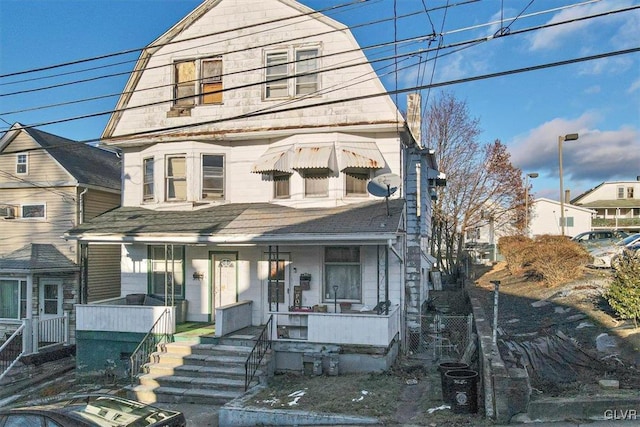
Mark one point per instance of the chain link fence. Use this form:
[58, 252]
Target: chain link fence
[441, 337]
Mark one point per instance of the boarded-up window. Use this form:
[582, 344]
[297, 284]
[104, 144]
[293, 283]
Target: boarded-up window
[211, 89]
[185, 83]
[176, 178]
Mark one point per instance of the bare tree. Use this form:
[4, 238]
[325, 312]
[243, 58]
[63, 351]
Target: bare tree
[481, 181]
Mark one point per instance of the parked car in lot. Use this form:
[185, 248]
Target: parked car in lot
[90, 410]
[595, 238]
[606, 257]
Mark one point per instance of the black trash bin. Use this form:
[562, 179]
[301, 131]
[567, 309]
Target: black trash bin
[445, 367]
[462, 386]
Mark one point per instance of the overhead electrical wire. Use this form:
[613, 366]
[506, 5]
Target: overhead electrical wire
[363, 97]
[468, 42]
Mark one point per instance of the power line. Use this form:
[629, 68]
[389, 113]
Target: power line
[467, 42]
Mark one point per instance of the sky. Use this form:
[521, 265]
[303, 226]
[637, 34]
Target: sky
[454, 48]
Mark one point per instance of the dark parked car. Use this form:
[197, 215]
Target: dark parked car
[90, 410]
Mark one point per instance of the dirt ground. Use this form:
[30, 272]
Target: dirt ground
[575, 318]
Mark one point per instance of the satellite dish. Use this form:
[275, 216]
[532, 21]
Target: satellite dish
[384, 185]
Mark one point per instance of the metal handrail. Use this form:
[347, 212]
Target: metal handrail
[257, 353]
[9, 354]
[149, 343]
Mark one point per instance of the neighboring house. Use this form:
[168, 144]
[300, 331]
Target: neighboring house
[616, 205]
[249, 148]
[49, 184]
[545, 218]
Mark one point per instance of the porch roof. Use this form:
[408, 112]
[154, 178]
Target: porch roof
[239, 223]
[36, 258]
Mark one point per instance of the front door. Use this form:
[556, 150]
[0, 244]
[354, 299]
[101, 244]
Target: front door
[224, 283]
[49, 308]
[277, 281]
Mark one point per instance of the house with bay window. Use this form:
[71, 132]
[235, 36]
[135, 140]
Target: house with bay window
[252, 135]
[49, 184]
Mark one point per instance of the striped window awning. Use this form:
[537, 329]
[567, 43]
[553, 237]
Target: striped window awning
[313, 156]
[275, 159]
[359, 155]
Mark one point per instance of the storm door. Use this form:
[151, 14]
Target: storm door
[50, 309]
[224, 283]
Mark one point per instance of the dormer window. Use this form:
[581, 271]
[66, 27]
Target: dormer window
[21, 163]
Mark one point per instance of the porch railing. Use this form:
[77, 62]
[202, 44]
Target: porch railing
[160, 332]
[50, 332]
[257, 353]
[11, 350]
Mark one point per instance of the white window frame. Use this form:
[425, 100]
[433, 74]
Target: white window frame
[175, 178]
[22, 297]
[291, 84]
[620, 192]
[328, 292]
[212, 196]
[22, 159]
[33, 218]
[151, 196]
[169, 265]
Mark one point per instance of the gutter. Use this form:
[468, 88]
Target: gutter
[81, 206]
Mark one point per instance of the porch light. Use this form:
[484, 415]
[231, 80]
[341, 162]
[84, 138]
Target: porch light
[198, 275]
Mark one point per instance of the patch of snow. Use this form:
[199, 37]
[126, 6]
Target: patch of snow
[439, 408]
[584, 325]
[298, 395]
[363, 393]
[562, 310]
[540, 303]
[606, 343]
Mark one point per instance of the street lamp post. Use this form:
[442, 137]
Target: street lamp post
[526, 200]
[561, 139]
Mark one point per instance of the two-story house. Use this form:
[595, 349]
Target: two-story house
[49, 184]
[616, 205]
[258, 147]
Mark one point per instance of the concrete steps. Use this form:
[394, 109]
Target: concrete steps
[193, 372]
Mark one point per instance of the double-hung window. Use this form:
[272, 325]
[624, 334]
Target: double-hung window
[356, 183]
[342, 273]
[281, 185]
[166, 276]
[212, 176]
[306, 67]
[33, 211]
[277, 85]
[176, 177]
[13, 303]
[147, 180]
[198, 81]
[21, 163]
[291, 72]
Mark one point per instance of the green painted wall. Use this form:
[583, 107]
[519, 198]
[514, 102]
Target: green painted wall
[98, 352]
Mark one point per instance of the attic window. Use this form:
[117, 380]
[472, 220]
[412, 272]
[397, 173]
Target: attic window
[21, 163]
[197, 82]
[33, 211]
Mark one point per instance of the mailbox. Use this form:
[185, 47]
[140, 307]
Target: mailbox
[305, 281]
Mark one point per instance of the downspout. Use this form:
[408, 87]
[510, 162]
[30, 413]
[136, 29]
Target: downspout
[83, 254]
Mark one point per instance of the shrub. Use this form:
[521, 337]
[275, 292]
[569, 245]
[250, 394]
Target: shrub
[556, 259]
[624, 293]
[515, 250]
[550, 259]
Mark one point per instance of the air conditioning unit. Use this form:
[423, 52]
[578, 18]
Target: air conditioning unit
[8, 212]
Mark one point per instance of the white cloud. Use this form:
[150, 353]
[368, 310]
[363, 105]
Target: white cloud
[627, 25]
[597, 156]
[634, 86]
[615, 65]
[593, 89]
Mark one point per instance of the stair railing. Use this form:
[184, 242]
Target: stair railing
[11, 351]
[158, 334]
[257, 353]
